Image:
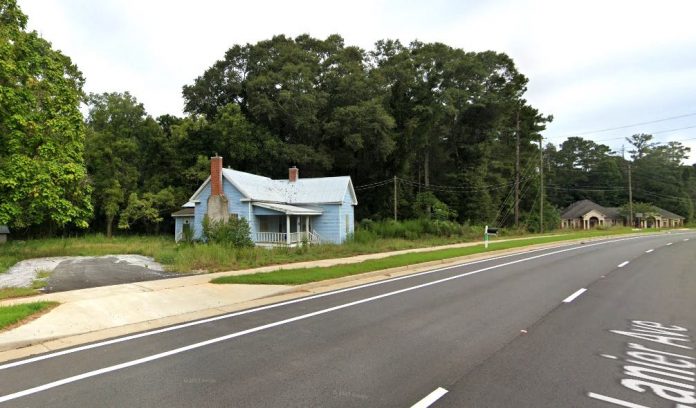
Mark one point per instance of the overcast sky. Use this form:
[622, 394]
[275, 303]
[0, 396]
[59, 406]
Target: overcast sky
[593, 64]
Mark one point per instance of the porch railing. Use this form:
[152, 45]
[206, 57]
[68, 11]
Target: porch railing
[281, 238]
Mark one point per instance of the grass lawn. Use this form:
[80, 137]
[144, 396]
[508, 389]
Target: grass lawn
[194, 257]
[215, 257]
[11, 315]
[306, 275]
[6, 293]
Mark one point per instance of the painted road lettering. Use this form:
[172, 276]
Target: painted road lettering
[668, 375]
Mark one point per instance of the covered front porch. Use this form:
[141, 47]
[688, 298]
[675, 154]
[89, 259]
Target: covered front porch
[284, 225]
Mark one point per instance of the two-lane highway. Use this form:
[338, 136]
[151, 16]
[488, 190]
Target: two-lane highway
[396, 342]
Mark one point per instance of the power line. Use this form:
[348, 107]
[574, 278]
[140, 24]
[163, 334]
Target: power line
[655, 133]
[457, 188]
[586, 189]
[373, 185]
[624, 126]
[682, 199]
[501, 218]
[506, 203]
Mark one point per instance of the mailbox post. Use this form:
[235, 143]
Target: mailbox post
[486, 233]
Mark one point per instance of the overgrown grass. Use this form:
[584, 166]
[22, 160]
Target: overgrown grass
[220, 257]
[89, 245]
[10, 315]
[198, 256]
[306, 275]
[7, 293]
[40, 281]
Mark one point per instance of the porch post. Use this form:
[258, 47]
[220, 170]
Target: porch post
[287, 229]
[306, 221]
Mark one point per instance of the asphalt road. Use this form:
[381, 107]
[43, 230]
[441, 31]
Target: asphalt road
[494, 333]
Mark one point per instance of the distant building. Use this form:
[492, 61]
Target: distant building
[586, 214]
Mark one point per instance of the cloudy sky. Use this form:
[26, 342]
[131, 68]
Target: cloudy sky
[593, 65]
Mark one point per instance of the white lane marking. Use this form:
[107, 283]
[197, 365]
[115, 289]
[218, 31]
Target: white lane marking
[686, 239]
[153, 357]
[669, 243]
[615, 401]
[574, 295]
[430, 398]
[649, 251]
[290, 302]
[622, 264]
[609, 356]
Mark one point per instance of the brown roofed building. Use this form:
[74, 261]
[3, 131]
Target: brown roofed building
[586, 214]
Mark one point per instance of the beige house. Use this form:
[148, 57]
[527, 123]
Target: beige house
[660, 219]
[586, 214]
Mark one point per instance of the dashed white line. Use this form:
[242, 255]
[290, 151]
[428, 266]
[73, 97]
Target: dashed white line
[649, 251]
[669, 243]
[574, 295]
[430, 398]
[622, 264]
[614, 400]
[609, 356]
[686, 239]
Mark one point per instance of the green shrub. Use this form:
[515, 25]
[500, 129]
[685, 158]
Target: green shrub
[427, 205]
[411, 230]
[235, 232]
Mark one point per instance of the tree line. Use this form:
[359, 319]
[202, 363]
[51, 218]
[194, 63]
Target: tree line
[443, 124]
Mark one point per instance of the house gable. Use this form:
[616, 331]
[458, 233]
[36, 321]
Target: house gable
[235, 205]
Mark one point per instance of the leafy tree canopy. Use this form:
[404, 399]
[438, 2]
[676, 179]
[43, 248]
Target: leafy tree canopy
[42, 172]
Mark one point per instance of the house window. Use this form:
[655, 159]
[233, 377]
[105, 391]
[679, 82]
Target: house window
[234, 216]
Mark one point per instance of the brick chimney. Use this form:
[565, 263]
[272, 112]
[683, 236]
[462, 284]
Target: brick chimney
[216, 176]
[294, 174]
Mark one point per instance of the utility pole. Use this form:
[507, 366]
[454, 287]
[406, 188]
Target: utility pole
[541, 183]
[630, 189]
[630, 197]
[395, 211]
[517, 170]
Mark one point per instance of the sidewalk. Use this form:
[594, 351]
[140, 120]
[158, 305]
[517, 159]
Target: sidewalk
[88, 315]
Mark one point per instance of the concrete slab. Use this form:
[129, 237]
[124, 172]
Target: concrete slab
[91, 314]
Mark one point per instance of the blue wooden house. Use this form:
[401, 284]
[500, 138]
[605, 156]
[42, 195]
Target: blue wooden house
[279, 212]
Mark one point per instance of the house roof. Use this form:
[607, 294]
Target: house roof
[289, 209]
[582, 207]
[184, 212]
[4, 229]
[668, 214]
[303, 191]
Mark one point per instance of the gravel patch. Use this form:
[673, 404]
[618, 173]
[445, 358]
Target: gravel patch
[23, 273]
